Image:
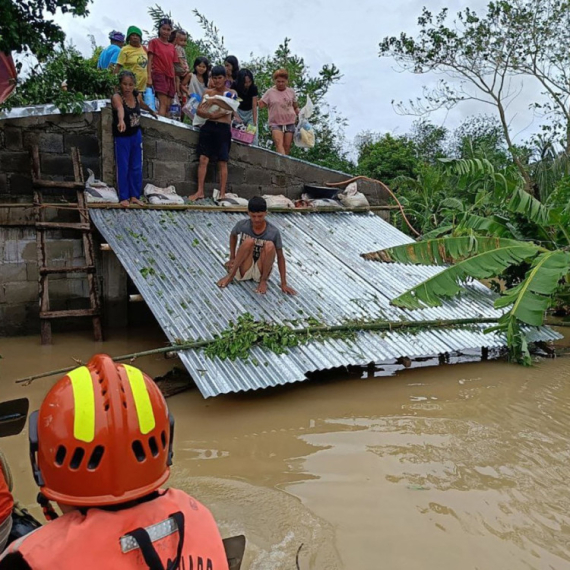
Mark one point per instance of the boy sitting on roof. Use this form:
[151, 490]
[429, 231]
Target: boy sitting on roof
[260, 243]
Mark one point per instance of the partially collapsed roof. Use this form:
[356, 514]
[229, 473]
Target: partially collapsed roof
[176, 257]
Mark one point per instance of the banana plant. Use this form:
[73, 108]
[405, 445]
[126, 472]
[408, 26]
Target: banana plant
[485, 253]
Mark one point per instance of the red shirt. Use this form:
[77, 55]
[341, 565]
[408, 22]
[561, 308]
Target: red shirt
[6, 500]
[164, 57]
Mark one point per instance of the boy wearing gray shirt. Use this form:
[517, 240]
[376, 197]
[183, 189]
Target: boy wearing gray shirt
[259, 244]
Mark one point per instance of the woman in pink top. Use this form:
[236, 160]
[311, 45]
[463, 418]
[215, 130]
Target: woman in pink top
[161, 59]
[283, 108]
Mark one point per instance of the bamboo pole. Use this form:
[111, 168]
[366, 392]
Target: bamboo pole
[371, 326]
[204, 208]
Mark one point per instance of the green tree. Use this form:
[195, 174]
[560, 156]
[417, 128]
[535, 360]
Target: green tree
[25, 27]
[385, 157]
[476, 53]
[44, 82]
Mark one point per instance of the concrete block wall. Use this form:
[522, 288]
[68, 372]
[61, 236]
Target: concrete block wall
[54, 135]
[169, 157]
[19, 300]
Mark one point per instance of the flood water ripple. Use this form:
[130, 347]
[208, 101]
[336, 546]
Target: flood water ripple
[456, 467]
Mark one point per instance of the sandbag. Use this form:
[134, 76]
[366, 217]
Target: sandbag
[98, 192]
[352, 198]
[278, 201]
[229, 200]
[162, 196]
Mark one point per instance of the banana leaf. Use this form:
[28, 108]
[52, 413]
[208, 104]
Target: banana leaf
[531, 298]
[493, 225]
[444, 250]
[481, 266]
[523, 203]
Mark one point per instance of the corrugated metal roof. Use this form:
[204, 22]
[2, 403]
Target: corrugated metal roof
[176, 257]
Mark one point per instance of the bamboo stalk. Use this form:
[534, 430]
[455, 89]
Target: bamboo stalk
[371, 326]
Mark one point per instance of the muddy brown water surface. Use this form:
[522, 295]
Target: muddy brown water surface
[462, 466]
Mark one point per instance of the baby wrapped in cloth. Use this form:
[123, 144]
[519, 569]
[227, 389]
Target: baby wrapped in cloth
[227, 102]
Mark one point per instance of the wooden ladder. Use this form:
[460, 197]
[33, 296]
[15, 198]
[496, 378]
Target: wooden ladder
[83, 226]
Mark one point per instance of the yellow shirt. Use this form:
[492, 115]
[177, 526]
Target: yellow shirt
[135, 60]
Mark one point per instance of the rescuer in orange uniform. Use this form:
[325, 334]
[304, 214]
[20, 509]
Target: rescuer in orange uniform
[101, 447]
[6, 506]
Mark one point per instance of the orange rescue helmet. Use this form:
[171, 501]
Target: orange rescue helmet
[102, 436]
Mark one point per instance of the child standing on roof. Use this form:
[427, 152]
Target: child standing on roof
[127, 104]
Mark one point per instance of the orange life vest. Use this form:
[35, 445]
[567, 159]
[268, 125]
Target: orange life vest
[6, 500]
[100, 539]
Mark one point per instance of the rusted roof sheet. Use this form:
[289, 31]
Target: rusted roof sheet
[176, 257]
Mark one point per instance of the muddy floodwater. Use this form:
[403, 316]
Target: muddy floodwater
[456, 467]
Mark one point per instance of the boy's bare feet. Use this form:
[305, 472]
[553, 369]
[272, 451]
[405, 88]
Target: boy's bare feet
[262, 288]
[196, 196]
[222, 283]
[124, 203]
[136, 201]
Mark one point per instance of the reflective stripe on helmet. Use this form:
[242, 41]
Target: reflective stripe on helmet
[84, 401]
[141, 396]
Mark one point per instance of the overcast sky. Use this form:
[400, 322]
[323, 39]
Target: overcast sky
[343, 32]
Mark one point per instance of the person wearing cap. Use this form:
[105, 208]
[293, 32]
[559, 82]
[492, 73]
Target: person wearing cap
[109, 55]
[134, 57]
[101, 447]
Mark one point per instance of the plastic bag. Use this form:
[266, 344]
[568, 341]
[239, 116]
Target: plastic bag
[157, 196]
[352, 198]
[191, 105]
[304, 136]
[98, 192]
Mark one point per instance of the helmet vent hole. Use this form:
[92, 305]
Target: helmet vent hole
[124, 404]
[96, 457]
[163, 439]
[106, 407]
[77, 458]
[153, 446]
[138, 450]
[60, 455]
[104, 392]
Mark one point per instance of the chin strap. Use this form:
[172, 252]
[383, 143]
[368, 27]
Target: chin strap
[47, 509]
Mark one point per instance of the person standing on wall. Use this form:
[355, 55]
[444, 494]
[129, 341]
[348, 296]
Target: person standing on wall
[161, 59]
[133, 57]
[247, 91]
[215, 137]
[127, 104]
[108, 57]
[281, 102]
